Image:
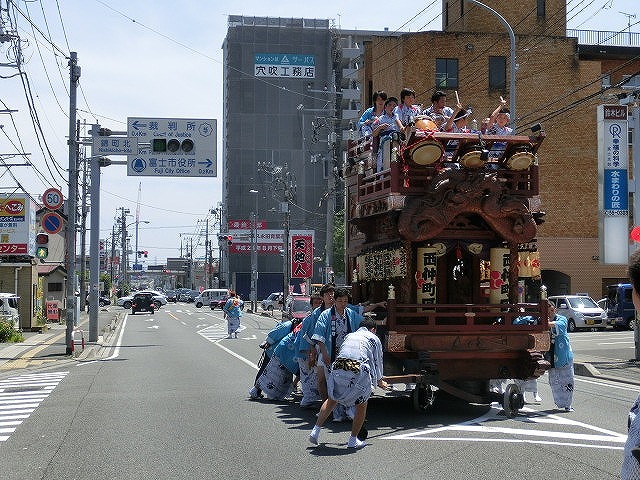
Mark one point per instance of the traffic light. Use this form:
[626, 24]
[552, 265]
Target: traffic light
[173, 145]
[226, 238]
[42, 245]
[145, 253]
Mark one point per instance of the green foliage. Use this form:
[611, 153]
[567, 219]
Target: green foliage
[9, 334]
[338, 244]
[106, 279]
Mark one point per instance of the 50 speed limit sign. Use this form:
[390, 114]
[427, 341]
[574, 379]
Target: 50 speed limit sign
[52, 198]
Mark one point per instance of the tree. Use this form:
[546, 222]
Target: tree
[338, 245]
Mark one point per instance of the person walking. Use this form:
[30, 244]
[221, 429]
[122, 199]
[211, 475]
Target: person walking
[353, 377]
[561, 373]
[233, 311]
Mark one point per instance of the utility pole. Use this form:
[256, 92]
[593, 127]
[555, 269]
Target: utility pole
[71, 313]
[94, 242]
[124, 259]
[207, 265]
[113, 253]
[83, 237]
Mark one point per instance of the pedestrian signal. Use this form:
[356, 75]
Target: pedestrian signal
[42, 245]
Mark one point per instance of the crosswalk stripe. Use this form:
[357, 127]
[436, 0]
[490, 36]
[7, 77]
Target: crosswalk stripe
[21, 395]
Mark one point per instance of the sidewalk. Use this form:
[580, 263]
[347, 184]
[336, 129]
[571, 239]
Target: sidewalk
[11, 353]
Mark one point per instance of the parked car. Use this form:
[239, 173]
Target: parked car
[581, 311]
[620, 310]
[296, 306]
[220, 304]
[207, 296]
[9, 309]
[272, 302]
[103, 300]
[143, 302]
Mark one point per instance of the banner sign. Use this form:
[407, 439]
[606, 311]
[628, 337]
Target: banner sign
[301, 249]
[613, 190]
[382, 264]
[426, 274]
[17, 225]
[500, 259]
[292, 65]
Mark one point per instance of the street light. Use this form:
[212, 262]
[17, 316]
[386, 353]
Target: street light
[253, 296]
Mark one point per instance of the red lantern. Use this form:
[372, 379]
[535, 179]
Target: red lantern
[635, 234]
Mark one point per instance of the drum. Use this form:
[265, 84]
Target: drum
[472, 157]
[426, 151]
[521, 160]
[425, 122]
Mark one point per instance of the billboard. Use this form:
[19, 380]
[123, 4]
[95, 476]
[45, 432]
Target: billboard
[613, 175]
[17, 225]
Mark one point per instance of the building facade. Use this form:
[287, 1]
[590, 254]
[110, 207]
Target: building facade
[301, 124]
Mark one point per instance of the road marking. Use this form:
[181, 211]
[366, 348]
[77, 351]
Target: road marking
[603, 439]
[21, 395]
[154, 326]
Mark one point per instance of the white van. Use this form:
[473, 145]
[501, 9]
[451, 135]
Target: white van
[9, 309]
[212, 294]
[581, 311]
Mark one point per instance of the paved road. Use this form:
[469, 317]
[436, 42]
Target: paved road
[169, 400]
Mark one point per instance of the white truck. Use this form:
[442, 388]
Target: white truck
[9, 309]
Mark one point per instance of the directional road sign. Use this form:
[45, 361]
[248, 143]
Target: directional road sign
[173, 147]
[114, 146]
[51, 222]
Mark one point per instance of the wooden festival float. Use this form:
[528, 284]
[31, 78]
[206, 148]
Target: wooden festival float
[446, 232]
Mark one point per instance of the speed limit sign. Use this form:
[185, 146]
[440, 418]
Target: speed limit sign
[52, 198]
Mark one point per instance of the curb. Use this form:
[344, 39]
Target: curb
[585, 369]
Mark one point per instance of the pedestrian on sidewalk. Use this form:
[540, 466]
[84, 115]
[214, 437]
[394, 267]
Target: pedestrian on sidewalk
[631, 457]
[233, 311]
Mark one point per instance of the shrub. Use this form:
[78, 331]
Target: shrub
[9, 334]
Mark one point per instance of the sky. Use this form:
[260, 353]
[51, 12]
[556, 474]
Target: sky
[161, 59]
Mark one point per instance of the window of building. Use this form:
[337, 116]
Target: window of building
[497, 73]
[446, 73]
[54, 287]
[541, 7]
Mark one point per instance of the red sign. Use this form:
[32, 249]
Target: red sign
[245, 224]
[17, 248]
[52, 311]
[301, 249]
[615, 112]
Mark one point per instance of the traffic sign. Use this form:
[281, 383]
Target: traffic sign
[173, 147]
[114, 146]
[52, 198]
[51, 222]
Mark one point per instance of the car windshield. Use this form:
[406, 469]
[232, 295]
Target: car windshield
[582, 302]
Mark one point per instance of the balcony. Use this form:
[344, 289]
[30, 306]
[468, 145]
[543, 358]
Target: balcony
[613, 39]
